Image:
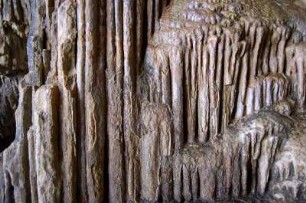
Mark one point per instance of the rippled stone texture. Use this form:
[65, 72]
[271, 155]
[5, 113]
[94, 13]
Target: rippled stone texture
[152, 101]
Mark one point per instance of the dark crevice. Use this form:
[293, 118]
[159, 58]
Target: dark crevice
[9, 197]
[8, 105]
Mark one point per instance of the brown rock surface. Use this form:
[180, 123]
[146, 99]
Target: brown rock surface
[152, 101]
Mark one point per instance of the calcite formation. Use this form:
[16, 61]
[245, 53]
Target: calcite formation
[152, 101]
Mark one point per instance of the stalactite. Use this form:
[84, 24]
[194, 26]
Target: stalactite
[156, 100]
[46, 127]
[95, 100]
[80, 80]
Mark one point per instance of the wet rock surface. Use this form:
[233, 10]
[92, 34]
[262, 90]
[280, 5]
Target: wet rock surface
[152, 101]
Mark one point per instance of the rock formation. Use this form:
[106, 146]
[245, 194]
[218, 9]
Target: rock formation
[152, 101]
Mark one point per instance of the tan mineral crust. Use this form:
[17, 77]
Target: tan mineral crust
[152, 101]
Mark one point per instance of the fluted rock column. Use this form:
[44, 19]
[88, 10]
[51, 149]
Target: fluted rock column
[46, 137]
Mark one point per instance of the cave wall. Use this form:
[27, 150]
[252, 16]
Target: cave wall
[78, 67]
[156, 100]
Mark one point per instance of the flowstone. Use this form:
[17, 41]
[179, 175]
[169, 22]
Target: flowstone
[152, 101]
